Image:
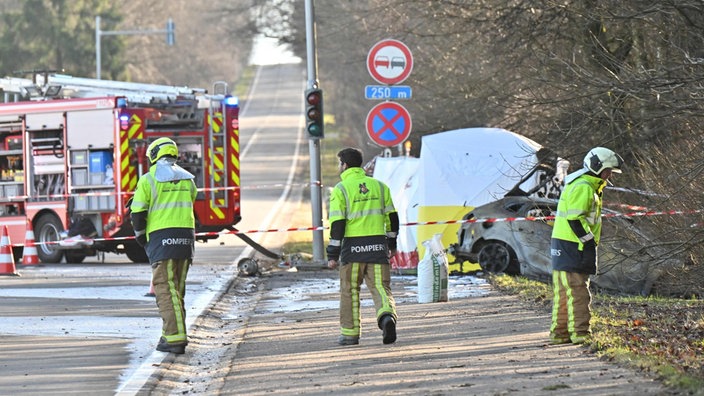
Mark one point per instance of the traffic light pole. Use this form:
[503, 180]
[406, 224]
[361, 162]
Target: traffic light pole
[314, 144]
[100, 33]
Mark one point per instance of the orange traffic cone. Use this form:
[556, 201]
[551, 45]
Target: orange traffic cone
[151, 290]
[29, 253]
[7, 261]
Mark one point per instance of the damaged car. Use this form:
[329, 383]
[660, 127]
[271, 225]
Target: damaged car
[512, 235]
[491, 237]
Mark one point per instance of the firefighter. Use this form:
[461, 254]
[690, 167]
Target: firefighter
[575, 237]
[363, 229]
[163, 222]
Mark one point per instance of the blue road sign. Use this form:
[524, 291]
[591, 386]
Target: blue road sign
[384, 92]
[388, 124]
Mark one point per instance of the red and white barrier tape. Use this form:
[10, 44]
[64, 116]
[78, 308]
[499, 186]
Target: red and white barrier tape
[626, 206]
[112, 193]
[424, 223]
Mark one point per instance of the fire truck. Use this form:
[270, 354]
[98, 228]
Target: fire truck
[72, 149]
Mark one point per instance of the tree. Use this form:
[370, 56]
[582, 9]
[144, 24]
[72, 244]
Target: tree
[571, 75]
[59, 35]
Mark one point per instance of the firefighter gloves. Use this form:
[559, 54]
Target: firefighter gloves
[141, 240]
[589, 255]
[333, 252]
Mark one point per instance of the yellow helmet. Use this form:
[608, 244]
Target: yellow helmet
[161, 147]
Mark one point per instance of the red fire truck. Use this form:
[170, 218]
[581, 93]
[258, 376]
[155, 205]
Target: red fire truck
[72, 149]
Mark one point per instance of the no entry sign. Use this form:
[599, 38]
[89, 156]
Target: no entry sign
[389, 62]
[388, 124]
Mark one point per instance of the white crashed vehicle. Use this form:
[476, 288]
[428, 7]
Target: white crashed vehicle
[627, 262]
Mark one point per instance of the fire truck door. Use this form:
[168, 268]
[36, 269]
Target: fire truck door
[93, 128]
[45, 121]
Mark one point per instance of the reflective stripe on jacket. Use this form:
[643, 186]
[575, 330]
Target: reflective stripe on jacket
[364, 203]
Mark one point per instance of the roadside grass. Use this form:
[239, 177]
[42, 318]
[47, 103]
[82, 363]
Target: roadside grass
[241, 88]
[662, 336]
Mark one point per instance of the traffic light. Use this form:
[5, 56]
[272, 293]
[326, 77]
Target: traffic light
[170, 32]
[314, 113]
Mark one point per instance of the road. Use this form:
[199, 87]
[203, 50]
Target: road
[89, 328]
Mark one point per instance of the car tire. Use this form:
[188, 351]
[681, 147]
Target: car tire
[495, 257]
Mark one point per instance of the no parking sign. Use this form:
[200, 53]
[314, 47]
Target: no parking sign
[388, 124]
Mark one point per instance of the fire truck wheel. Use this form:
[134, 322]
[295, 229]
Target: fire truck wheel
[136, 253]
[46, 232]
[75, 256]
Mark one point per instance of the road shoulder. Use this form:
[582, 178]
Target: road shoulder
[492, 344]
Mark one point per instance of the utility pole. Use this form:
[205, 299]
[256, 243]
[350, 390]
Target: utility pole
[170, 38]
[314, 142]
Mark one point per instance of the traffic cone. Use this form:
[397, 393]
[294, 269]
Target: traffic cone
[151, 290]
[7, 261]
[29, 253]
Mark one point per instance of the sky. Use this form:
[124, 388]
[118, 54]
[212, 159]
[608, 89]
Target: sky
[267, 51]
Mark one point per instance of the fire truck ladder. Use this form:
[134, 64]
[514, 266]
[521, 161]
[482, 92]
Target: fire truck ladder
[218, 146]
[65, 86]
[138, 92]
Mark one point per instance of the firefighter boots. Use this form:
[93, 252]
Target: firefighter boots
[177, 348]
[388, 326]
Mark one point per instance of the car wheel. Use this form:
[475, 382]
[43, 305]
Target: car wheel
[494, 257]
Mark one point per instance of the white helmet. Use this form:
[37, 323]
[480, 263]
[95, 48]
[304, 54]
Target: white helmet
[600, 158]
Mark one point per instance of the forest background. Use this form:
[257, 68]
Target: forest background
[570, 75]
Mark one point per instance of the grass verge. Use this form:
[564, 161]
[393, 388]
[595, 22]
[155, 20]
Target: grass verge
[662, 336]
